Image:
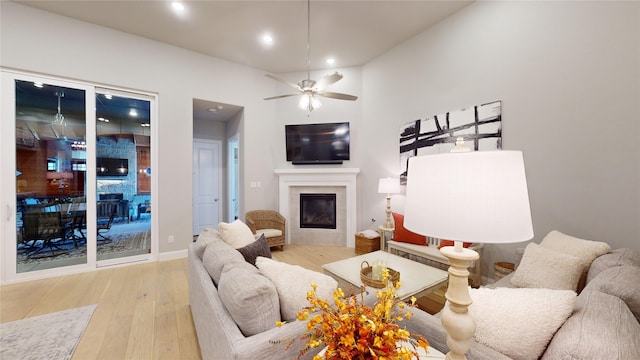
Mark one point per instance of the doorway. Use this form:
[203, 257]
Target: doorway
[233, 161]
[207, 177]
[221, 123]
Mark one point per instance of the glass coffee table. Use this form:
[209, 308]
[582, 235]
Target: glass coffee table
[417, 279]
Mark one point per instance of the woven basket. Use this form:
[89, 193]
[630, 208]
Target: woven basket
[366, 245]
[503, 269]
[367, 279]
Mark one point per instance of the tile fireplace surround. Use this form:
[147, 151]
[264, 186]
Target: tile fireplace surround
[342, 181]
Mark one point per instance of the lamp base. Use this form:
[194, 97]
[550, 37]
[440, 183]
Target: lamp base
[456, 319]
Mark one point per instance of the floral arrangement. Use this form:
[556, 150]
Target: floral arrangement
[351, 330]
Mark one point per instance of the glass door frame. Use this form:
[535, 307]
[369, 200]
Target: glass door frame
[152, 98]
[8, 206]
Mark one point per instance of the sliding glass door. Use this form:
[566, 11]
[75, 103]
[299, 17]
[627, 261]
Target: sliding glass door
[50, 173]
[76, 188]
[123, 168]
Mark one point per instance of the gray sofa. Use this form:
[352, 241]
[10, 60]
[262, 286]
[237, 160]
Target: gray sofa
[218, 334]
[604, 323]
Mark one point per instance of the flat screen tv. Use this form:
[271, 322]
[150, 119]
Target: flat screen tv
[317, 143]
[112, 167]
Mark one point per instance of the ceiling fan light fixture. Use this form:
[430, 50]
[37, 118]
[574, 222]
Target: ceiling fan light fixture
[309, 102]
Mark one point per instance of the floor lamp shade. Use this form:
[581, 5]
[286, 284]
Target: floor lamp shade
[478, 197]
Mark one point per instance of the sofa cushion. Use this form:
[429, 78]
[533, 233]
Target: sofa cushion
[401, 234]
[216, 256]
[545, 268]
[206, 236]
[237, 234]
[293, 282]
[257, 248]
[602, 327]
[585, 250]
[622, 282]
[519, 322]
[250, 298]
[617, 257]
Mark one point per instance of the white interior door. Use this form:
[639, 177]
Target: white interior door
[206, 184]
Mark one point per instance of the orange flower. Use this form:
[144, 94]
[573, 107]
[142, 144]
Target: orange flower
[351, 330]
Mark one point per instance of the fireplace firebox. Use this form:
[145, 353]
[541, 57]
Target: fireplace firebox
[318, 211]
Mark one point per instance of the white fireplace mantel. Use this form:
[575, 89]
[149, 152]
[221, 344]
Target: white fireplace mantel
[340, 177]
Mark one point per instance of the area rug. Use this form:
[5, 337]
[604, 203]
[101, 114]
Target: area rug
[52, 336]
[119, 243]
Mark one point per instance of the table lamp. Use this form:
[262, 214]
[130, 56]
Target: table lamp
[389, 186]
[478, 197]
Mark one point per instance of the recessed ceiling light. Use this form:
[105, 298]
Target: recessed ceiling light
[133, 113]
[108, 96]
[331, 61]
[38, 84]
[212, 110]
[266, 39]
[177, 6]
[103, 119]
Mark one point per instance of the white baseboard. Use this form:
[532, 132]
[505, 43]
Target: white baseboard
[172, 255]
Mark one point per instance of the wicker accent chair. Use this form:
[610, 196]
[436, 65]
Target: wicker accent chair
[269, 222]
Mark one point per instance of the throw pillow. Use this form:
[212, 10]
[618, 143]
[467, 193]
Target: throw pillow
[403, 235]
[451, 243]
[519, 322]
[585, 250]
[602, 327]
[255, 249]
[237, 234]
[293, 282]
[250, 298]
[545, 268]
[217, 256]
[621, 282]
[205, 237]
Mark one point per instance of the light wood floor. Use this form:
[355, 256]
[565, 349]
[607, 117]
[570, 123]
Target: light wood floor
[143, 310]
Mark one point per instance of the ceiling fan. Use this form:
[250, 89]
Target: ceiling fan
[311, 89]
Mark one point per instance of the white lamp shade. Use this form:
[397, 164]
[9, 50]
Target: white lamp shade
[389, 186]
[478, 197]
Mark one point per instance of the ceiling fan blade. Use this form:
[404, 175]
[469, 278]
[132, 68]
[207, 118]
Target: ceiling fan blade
[335, 95]
[283, 81]
[327, 80]
[280, 96]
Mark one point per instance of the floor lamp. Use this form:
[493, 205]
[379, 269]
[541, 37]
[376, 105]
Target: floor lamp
[478, 197]
[388, 186]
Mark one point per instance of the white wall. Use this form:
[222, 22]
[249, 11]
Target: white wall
[41, 42]
[568, 74]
